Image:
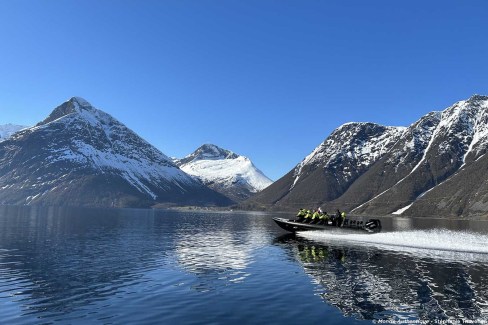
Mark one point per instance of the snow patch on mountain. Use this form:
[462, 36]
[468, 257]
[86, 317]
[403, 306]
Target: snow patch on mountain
[136, 170]
[228, 172]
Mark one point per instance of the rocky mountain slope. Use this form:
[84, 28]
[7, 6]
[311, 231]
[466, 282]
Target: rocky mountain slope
[331, 168]
[81, 156]
[224, 171]
[435, 167]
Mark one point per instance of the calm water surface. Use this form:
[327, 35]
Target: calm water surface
[84, 266]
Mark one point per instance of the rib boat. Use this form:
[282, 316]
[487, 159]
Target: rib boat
[370, 225]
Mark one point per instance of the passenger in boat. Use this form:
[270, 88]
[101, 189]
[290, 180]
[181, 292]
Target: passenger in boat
[301, 215]
[337, 219]
[324, 218]
[343, 217]
[310, 219]
[315, 216]
[308, 216]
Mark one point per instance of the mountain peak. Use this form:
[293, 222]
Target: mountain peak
[477, 97]
[353, 124]
[363, 126]
[208, 152]
[80, 101]
[73, 105]
[212, 151]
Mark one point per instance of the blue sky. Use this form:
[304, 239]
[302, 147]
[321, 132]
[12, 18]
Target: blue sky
[266, 79]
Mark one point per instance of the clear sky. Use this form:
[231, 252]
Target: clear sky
[266, 79]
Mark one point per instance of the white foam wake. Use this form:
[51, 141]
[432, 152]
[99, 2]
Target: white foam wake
[432, 243]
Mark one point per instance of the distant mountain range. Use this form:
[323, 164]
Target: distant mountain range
[7, 130]
[224, 171]
[81, 156]
[435, 167]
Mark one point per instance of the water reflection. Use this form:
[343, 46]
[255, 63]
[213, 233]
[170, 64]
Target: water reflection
[219, 248]
[73, 264]
[370, 283]
[56, 264]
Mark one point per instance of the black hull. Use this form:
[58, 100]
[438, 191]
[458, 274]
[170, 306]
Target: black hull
[372, 225]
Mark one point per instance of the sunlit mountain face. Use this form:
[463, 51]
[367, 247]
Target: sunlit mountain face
[224, 171]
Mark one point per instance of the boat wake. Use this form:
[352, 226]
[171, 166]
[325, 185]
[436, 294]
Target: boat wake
[437, 243]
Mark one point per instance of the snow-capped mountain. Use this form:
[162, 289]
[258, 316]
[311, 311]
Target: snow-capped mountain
[332, 167]
[80, 155]
[224, 171]
[436, 166]
[457, 137]
[394, 166]
[7, 130]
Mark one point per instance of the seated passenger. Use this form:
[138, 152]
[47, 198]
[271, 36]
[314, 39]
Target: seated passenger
[324, 218]
[301, 215]
[315, 216]
[342, 218]
[308, 216]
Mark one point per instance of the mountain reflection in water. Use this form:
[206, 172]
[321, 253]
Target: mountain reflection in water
[222, 254]
[371, 283]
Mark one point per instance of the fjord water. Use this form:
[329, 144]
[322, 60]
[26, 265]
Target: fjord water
[118, 266]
